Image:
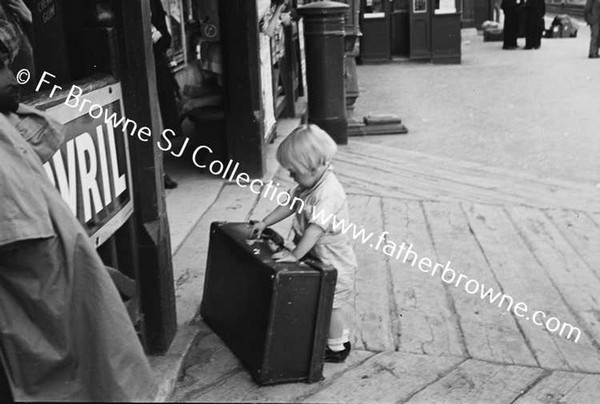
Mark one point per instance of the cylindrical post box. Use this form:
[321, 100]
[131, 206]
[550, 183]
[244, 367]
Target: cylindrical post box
[324, 48]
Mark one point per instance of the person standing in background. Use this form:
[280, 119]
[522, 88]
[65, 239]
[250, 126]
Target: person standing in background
[511, 24]
[496, 10]
[591, 13]
[166, 85]
[534, 23]
[271, 24]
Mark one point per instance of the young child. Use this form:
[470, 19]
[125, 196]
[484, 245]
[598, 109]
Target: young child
[307, 154]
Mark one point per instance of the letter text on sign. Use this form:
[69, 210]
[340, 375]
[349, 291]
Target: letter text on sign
[92, 168]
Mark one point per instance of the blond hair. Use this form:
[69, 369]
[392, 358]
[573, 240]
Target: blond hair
[306, 148]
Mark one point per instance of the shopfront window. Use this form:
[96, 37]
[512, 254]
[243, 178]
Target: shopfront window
[420, 6]
[374, 6]
[445, 6]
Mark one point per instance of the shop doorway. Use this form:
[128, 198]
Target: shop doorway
[375, 43]
[420, 30]
[385, 30]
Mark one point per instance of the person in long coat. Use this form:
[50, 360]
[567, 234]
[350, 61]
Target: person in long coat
[166, 84]
[511, 24]
[591, 14]
[534, 23]
[65, 334]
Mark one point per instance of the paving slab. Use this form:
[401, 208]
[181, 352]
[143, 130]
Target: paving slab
[426, 320]
[526, 110]
[563, 387]
[490, 333]
[480, 382]
[386, 378]
[239, 386]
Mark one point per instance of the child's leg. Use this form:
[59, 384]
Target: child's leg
[335, 341]
[341, 316]
[339, 332]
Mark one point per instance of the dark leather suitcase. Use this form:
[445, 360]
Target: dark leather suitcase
[493, 35]
[273, 316]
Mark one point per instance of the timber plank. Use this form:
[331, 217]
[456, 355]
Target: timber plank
[440, 184]
[485, 190]
[386, 377]
[240, 387]
[587, 391]
[552, 389]
[505, 183]
[424, 321]
[569, 191]
[207, 362]
[582, 233]
[396, 184]
[372, 179]
[489, 332]
[576, 282]
[479, 382]
[352, 186]
[425, 185]
[352, 190]
[372, 299]
[488, 188]
[356, 186]
[189, 263]
[522, 278]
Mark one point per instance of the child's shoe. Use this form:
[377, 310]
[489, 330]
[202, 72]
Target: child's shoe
[339, 356]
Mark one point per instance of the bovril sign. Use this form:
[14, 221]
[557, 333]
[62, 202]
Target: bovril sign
[92, 168]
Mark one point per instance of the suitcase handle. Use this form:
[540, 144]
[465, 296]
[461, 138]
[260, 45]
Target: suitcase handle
[269, 234]
[312, 263]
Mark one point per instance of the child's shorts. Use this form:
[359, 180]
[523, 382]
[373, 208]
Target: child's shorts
[341, 256]
[344, 287]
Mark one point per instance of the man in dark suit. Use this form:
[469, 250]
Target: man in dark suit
[535, 10]
[591, 14]
[511, 24]
[166, 84]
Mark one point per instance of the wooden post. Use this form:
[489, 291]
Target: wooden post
[288, 63]
[152, 228]
[243, 109]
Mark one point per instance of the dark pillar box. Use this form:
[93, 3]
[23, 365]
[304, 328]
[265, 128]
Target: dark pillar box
[324, 48]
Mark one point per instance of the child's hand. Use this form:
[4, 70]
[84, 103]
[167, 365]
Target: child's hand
[284, 256]
[257, 229]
